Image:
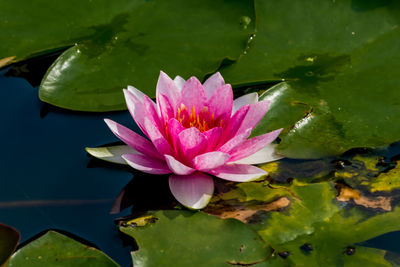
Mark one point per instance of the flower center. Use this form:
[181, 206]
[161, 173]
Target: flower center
[202, 119]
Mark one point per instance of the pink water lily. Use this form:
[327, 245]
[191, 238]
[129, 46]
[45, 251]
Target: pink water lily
[196, 130]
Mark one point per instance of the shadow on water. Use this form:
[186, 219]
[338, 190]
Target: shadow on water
[144, 192]
[34, 69]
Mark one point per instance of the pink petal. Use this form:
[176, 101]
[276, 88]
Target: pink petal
[236, 141]
[254, 115]
[193, 95]
[136, 92]
[157, 138]
[135, 107]
[167, 87]
[221, 102]
[178, 167]
[179, 82]
[213, 83]
[193, 191]
[238, 172]
[191, 143]
[244, 100]
[210, 160]
[264, 155]
[146, 164]
[254, 144]
[151, 112]
[174, 129]
[132, 139]
[213, 138]
[234, 124]
[165, 108]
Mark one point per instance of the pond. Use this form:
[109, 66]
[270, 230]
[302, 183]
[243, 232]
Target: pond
[47, 180]
[50, 182]
[219, 182]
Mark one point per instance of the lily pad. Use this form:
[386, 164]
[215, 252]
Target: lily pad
[55, 249]
[33, 28]
[126, 42]
[184, 238]
[330, 230]
[338, 58]
[9, 239]
[306, 232]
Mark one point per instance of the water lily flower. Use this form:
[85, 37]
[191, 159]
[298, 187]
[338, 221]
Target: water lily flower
[196, 131]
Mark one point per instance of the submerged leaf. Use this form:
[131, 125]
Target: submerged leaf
[386, 181]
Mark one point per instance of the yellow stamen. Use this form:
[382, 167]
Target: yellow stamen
[193, 114]
[202, 120]
[179, 113]
[198, 119]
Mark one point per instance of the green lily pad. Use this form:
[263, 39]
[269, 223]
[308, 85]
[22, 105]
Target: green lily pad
[184, 238]
[329, 229]
[9, 239]
[306, 232]
[34, 28]
[55, 249]
[340, 59]
[126, 42]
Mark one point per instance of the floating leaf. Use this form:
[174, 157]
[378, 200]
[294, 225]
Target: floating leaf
[9, 239]
[53, 26]
[183, 238]
[55, 249]
[126, 42]
[306, 232]
[340, 60]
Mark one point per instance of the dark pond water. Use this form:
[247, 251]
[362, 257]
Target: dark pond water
[45, 179]
[49, 181]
